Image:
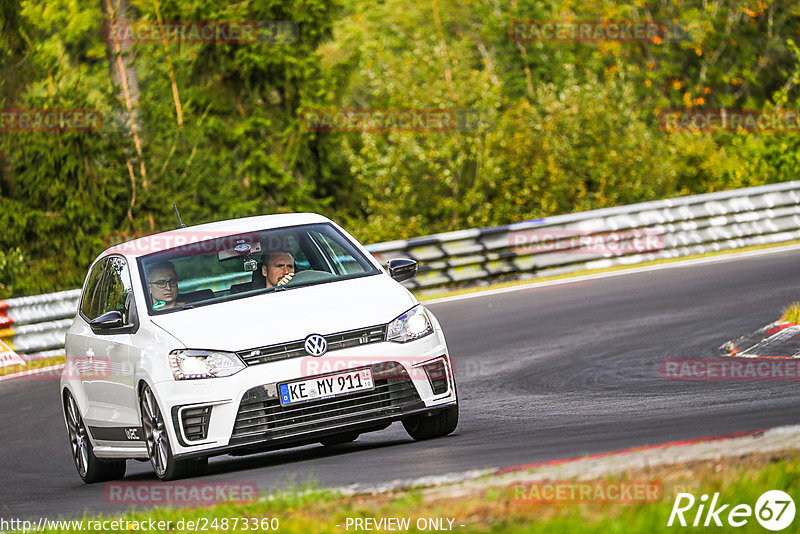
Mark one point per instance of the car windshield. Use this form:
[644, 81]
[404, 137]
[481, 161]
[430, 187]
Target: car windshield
[205, 271]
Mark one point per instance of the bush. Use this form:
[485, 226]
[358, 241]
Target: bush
[12, 263]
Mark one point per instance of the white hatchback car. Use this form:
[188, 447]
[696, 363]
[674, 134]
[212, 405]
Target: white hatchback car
[244, 336]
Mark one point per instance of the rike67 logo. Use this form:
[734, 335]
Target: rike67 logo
[774, 510]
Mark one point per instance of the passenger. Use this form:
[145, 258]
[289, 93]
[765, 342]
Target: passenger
[163, 283]
[278, 268]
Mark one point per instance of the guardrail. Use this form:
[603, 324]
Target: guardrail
[35, 326]
[605, 237]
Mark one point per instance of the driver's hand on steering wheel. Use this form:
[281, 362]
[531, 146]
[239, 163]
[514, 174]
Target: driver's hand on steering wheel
[285, 279]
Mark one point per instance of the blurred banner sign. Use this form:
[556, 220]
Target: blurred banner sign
[8, 356]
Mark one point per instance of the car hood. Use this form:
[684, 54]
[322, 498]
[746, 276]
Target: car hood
[289, 315]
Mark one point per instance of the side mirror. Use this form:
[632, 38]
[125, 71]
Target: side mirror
[112, 319]
[402, 269]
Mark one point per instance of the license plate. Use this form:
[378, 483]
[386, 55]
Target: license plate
[325, 386]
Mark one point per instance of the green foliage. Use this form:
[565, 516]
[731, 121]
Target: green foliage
[580, 147]
[792, 313]
[564, 126]
[12, 264]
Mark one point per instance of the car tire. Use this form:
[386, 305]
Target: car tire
[90, 468]
[439, 424]
[159, 449]
[197, 467]
[339, 439]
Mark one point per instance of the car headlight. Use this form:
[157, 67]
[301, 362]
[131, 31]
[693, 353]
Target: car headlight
[412, 325]
[187, 364]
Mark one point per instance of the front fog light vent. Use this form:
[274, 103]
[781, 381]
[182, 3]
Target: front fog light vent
[195, 422]
[437, 376]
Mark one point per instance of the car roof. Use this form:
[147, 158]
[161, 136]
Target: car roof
[201, 232]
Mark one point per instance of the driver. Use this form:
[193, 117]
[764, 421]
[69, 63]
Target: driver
[278, 267]
[163, 283]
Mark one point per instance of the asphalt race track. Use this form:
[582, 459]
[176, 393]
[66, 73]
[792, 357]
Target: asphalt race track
[547, 373]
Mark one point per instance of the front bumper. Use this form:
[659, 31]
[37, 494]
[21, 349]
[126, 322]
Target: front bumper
[242, 414]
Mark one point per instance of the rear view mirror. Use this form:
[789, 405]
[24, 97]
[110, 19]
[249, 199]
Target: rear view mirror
[243, 248]
[402, 269]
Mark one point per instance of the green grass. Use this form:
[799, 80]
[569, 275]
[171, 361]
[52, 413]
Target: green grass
[501, 510]
[792, 313]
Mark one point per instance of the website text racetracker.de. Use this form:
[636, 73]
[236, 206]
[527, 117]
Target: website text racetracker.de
[200, 524]
[382, 120]
[726, 369]
[523, 31]
[49, 120]
[180, 494]
[731, 120]
[585, 242]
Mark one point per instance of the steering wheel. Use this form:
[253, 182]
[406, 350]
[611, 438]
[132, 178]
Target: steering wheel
[309, 276]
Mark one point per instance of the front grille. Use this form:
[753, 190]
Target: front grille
[294, 349]
[354, 338]
[195, 422]
[437, 376]
[262, 418]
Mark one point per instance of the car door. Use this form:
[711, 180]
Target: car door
[110, 387]
[79, 347]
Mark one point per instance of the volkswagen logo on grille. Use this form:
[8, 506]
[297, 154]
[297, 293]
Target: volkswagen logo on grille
[315, 345]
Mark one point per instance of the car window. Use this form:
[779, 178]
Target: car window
[301, 262]
[199, 272]
[90, 301]
[232, 267]
[344, 261]
[117, 288]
